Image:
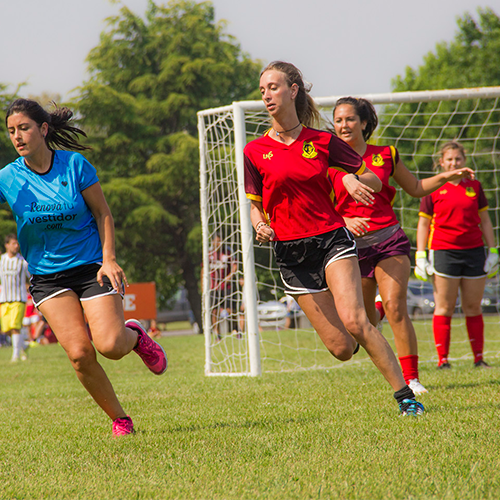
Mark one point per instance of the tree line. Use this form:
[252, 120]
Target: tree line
[149, 76]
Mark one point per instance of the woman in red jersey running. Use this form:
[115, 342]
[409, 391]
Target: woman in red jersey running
[383, 248]
[454, 224]
[286, 179]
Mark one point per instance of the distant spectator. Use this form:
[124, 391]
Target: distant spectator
[222, 269]
[292, 311]
[153, 330]
[33, 322]
[14, 275]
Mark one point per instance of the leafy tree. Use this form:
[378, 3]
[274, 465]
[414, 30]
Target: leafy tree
[7, 155]
[471, 59]
[149, 77]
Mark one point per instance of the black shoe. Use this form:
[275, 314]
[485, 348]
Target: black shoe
[481, 364]
[444, 366]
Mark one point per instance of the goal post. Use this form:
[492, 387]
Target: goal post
[244, 326]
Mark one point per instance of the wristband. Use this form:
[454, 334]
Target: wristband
[356, 176]
[493, 250]
[422, 254]
[260, 223]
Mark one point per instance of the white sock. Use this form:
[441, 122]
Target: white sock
[16, 345]
[25, 337]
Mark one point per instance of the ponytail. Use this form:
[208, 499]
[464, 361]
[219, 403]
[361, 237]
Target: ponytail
[60, 134]
[305, 106]
[364, 109]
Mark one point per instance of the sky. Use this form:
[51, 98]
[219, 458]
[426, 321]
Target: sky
[352, 47]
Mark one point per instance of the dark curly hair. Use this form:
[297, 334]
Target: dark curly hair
[364, 109]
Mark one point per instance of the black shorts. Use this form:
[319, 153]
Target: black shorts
[303, 262]
[82, 280]
[459, 263]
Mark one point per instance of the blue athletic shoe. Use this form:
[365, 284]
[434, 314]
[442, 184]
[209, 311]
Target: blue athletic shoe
[411, 407]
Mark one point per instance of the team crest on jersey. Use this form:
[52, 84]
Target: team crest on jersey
[309, 151]
[443, 191]
[377, 160]
[267, 156]
[469, 191]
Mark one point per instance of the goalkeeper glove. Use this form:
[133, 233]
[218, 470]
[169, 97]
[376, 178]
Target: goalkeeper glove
[491, 264]
[423, 267]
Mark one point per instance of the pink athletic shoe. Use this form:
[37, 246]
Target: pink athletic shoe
[151, 353]
[123, 426]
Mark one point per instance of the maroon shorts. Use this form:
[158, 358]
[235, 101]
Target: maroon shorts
[369, 257]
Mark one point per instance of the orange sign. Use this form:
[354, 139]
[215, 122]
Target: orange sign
[140, 301]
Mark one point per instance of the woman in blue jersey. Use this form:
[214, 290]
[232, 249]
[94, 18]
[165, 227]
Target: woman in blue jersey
[66, 233]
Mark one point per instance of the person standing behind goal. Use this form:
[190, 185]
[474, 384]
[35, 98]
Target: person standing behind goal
[13, 276]
[286, 179]
[455, 225]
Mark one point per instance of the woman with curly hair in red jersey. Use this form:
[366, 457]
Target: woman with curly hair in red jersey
[383, 248]
[286, 179]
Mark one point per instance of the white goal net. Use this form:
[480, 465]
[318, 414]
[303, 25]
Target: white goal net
[250, 326]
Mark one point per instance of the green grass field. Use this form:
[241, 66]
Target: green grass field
[316, 434]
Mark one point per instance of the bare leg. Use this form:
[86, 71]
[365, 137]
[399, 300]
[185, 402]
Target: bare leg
[107, 324]
[344, 280]
[322, 313]
[472, 294]
[334, 315]
[65, 316]
[369, 286]
[392, 276]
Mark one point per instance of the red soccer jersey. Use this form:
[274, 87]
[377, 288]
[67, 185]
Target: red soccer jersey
[454, 213]
[220, 262]
[292, 181]
[381, 160]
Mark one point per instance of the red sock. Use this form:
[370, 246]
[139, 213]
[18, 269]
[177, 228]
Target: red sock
[380, 308]
[409, 366]
[475, 329]
[442, 331]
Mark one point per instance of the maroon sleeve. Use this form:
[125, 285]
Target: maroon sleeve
[482, 200]
[253, 180]
[426, 206]
[342, 157]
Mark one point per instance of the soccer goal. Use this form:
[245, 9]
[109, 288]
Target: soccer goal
[250, 326]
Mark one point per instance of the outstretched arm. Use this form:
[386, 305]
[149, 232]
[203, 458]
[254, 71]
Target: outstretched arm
[422, 187]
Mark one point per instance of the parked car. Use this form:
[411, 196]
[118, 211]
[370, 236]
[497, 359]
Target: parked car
[271, 314]
[420, 299]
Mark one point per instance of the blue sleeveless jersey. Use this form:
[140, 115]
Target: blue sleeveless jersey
[55, 227]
